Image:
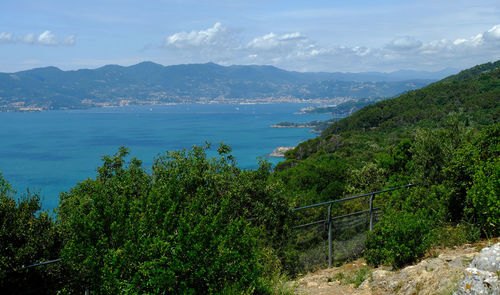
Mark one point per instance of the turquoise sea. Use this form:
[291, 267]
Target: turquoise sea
[49, 152]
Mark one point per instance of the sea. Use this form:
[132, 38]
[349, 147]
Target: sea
[50, 152]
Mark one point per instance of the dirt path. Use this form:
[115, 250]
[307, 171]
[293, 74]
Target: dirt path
[439, 273]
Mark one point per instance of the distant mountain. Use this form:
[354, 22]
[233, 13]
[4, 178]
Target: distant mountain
[400, 75]
[147, 82]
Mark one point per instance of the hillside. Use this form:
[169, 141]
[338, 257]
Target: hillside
[474, 93]
[444, 137]
[147, 82]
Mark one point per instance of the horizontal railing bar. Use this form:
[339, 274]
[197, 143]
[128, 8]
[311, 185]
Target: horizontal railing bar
[42, 263]
[335, 218]
[356, 213]
[351, 198]
[311, 223]
[343, 224]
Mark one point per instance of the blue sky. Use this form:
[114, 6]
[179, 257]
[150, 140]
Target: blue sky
[349, 36]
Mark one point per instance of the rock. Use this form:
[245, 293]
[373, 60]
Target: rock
[478, 282]
[365, 285]
[312, 284]
[393, 285]
[488, 259]
[446, 258]
[481, 276]
[380, 274]
[279, 152]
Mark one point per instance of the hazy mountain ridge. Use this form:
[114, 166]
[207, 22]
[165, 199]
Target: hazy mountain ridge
[147, 82]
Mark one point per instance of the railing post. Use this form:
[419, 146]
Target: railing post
[329, 220]
[371, 211]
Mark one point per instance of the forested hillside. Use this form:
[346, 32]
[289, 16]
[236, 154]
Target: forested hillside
[444, 137]
[473, 95]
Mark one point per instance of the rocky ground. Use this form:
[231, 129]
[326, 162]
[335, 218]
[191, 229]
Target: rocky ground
[279, 152]
[461, 270]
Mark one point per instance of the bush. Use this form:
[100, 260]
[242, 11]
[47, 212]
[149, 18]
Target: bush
[398, 239]
[449, 236]
[483, 197]
[27, 236]
[317, 179]
[196, 226]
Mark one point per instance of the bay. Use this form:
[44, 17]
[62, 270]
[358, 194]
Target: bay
[50, 152]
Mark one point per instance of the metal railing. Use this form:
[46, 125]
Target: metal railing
[42, 263]
[329, 220]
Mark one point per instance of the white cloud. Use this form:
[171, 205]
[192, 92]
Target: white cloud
[5, 37]
[492, 34]
[214, 36]
[30, 38]
[265, 42]
[436, 46]
[271, 41]
[69, 40]
[404, 43]
[295, 51]
[45, 38]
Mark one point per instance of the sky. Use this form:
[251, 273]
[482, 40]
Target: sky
[313, 35]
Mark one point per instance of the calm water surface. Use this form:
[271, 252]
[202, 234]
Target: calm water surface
[50, 152]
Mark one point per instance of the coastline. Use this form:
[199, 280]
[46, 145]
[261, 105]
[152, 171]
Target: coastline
[279, 152]
[88, 104]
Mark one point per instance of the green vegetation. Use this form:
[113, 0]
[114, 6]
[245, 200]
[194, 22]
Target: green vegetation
[400, 238]
[201, 225]
[445, 137]
[26, 236]
[196, 225]
[317, 126]
[356, 277]
[346, 108]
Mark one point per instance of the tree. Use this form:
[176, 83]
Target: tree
[195, 225]
[27, 236]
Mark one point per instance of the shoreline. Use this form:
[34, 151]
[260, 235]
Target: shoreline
[280, 151]
[21, 108]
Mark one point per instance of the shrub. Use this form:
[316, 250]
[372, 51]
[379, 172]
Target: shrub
[27, 236]
[316, 179]
[366, 179]
[196, 226]
[449, 236]
[398, 239]
[483, 197]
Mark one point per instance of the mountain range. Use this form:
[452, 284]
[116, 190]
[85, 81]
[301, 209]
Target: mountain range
[149, 83]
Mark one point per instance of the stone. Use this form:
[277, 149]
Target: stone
[312, 284]
[478, 282]
[365, 285]
[488, 259]
[481, 276]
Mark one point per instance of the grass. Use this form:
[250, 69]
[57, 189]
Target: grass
[466, 262]
[456, 235]
[356, 277]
